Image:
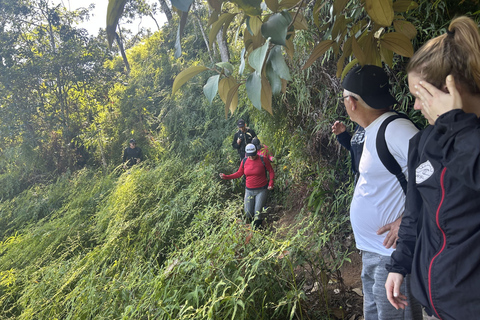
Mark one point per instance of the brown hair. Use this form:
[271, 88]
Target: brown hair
[456, 52]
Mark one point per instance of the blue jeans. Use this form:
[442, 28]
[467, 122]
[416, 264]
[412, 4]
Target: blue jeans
[375, 303]
[254, 202]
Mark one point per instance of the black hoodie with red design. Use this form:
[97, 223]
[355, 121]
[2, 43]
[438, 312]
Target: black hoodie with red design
[439, 238]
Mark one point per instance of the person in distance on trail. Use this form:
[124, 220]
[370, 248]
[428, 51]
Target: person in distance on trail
[255, 168]
[354, 143]
[132, 154]
[440, 232]
[242, 137]
[378, 200]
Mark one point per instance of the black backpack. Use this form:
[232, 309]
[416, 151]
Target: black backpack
[384, 154]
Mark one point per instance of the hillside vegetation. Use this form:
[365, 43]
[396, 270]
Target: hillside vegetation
[83, 238]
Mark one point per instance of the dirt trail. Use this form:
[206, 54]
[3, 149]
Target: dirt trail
[342, 306]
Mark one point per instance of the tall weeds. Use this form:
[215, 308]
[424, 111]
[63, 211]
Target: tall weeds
[163, 242]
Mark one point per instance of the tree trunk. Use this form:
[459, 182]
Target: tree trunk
[122, 51]
[166, 10]
[204, 37]
[222, 46]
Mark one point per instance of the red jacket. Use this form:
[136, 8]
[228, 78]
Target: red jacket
[254, 170]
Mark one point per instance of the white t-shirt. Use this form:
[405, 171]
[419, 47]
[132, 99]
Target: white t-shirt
[378, 198]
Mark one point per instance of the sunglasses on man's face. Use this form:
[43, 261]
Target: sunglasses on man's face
[342, 99]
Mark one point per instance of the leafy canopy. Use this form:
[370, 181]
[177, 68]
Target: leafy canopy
[369, 32]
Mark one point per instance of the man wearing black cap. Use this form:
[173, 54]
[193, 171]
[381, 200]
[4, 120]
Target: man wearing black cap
[132, 154]
[242, 137]
[379, 200]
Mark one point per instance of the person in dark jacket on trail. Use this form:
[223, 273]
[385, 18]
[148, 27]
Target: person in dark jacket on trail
[255, 169]
[439, 237]
[242, 137]
[132, 154]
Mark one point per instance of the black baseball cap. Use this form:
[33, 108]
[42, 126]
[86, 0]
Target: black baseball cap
[371, 84]
[132, 141]
[241, 123]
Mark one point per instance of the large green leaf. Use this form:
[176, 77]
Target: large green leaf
[348, 67]
[226, 66]
[387, 56]
[338, 6]
[215, 4]
[368, 43]
[114, 12]
[232, 99]
[317, 52]
[273, 78]
[217, 25]
[250, 7]
[278, 63]
[254, 24]
[340, 25]
[276, 28]
[266, 95]
[404, 5]
[254, 89]
[242, 62]
[300, 22]
[358, 52]
[381, 11]
[182, 5]
[398, 43]
[288, 3]
[405, 27]
[224, 87]
[210, 89]
[186, 75]
[316, 15]
[257, 57]
[272, 5]
[178, 40]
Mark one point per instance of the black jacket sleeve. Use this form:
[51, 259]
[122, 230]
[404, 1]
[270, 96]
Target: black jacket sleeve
[252, 133]
[458, 135]
[124, 155]
[402, 257]
[344, 139]
[235, 145]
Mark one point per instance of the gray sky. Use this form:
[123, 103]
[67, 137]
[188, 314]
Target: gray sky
[98, 16]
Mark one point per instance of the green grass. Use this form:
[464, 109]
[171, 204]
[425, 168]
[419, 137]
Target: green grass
[164, 242]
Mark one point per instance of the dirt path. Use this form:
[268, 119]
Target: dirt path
[347, 305]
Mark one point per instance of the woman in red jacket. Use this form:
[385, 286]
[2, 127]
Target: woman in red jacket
[254, 167]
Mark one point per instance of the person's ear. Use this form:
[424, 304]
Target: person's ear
[353, 104]
[445, 88]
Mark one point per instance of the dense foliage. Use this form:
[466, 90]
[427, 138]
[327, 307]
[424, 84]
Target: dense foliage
[82, 238]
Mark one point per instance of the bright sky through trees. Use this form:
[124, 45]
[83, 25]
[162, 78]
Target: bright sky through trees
[98, 15]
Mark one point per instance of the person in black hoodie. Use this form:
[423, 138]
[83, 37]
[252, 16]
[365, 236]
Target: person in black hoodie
[439, 237]
[242, 137]
[132, 154]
